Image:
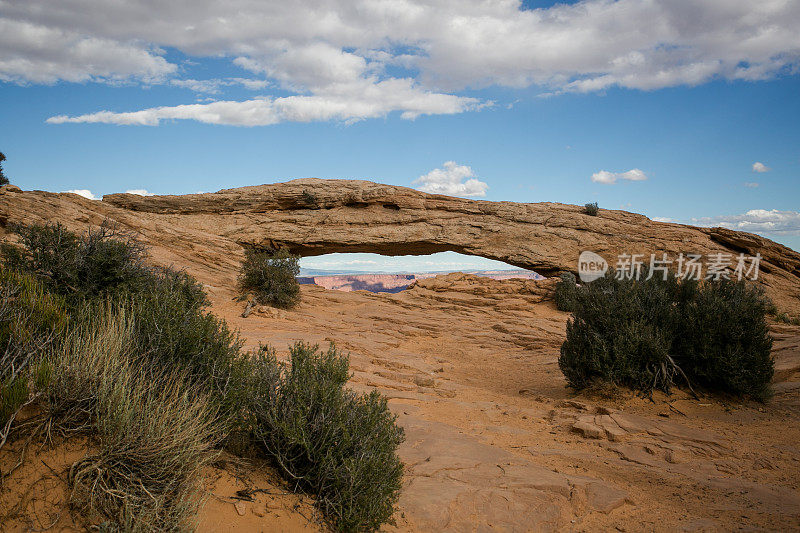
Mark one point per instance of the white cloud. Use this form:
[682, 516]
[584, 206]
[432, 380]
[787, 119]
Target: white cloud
[760, 167]
[453, 180]
[86, 193]
[140, 192]
[36, 53]
[322, 49]
[216, 85]
[757, 221]
[609, 178]
[663, 219]
[363, 101]
[751, 184]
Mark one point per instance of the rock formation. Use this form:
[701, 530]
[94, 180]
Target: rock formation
[314, 217]
[494, 439]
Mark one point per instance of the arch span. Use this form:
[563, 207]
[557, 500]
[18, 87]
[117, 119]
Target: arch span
[314, 217]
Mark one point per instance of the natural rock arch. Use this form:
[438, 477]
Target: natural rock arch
[315, 217]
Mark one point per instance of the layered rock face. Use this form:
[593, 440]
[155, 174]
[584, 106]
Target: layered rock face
[314, 217]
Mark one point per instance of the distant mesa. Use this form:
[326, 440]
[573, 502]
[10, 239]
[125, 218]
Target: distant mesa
[394, 283]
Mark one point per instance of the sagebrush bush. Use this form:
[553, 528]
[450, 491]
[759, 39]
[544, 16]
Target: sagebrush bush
[155, 430]
[173, 330]
[136, 361]
[650, 334]
[564, 295]
[100, 262]
[32, 321]
[722, 340]
[591, 209]
[326, 438]
[270, 277]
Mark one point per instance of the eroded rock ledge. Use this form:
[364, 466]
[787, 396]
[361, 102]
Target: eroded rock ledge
[314, 217]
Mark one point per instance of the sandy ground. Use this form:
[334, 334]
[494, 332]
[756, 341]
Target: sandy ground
[494, 439]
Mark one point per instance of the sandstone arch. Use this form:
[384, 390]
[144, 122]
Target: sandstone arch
[314, 217]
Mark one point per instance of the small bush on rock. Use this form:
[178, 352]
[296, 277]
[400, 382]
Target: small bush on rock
[325, 438]
[650, 334]
[784, 318]
[591, 209]
[271, 277]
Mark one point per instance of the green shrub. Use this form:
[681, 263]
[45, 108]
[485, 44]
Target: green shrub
[591, 209]
[3, 178]
[565, 292]
[723, 341]
[155, 431]
[134, 359]
[325, 438]
[649, 334]
[172, 330]
[32, 322]
[310, 199]
[271, 277]
[102, 261]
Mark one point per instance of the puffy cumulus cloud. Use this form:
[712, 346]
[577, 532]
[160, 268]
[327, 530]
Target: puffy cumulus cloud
[86, 193]
[314, 49]
[35, 53]
[453, 179]
[757, 221]
[371, 101]
[609, 178]
[760, 167]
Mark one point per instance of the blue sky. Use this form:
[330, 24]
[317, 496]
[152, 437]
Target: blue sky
[661, 108]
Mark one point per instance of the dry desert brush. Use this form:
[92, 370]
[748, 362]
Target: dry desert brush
[154, 430]
[129, 355]
[653, 333]
[325, 438]
[103, 261]
[591, 209]
[270, 277]
[32, 322]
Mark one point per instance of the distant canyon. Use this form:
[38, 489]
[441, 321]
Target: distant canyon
[394, 283]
